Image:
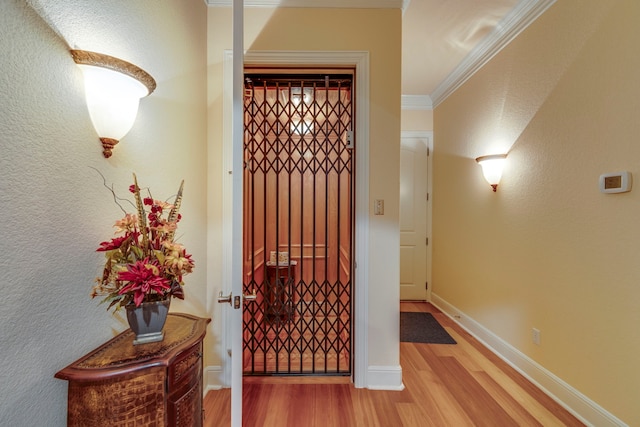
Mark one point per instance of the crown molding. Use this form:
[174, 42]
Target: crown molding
[416, 102]
[405, 5]
[351, 4]
[520, 17]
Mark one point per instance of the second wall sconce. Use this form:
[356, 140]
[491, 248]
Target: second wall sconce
[492, 168]
[113, 89]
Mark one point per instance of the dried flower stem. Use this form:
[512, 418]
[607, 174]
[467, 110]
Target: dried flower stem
[173, 214]
[142, 218]
[116, 199]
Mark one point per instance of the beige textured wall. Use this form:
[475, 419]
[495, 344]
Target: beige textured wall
[349, 30]
[416, 120]
[54, 208]
[548, 250]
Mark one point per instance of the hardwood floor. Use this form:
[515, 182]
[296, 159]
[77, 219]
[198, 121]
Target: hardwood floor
[445, 385]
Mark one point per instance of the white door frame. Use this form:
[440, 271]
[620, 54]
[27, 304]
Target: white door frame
[360, 61]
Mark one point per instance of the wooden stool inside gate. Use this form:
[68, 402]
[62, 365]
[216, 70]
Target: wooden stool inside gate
[278, 295]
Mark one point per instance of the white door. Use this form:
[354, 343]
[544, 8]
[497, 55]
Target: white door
[237, 117]
[231, 295]
[413, 218]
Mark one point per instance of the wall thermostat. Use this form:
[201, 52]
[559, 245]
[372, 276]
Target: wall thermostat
[617, 182]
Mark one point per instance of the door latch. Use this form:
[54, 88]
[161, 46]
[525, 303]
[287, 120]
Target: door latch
[349, 140]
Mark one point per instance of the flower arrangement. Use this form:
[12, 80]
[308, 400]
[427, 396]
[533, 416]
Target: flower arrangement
[143, 262]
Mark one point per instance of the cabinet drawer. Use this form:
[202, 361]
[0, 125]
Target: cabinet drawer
[186, 368]
[185, 407]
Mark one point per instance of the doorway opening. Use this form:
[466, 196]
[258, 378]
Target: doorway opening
[298, 222]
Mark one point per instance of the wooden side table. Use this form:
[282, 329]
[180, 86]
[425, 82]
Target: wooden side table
[278, 301]
[154, 384]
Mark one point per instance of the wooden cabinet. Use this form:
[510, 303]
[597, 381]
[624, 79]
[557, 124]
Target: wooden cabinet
[154, 384]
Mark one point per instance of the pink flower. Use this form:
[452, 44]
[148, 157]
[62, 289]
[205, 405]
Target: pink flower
[177, 260]
[164, 226]
[129, 222]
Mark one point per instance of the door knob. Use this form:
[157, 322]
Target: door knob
[236, 301]
[223, 299]
[250, 297]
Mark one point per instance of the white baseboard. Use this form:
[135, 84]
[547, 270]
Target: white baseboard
[585, 409]
[379, 378]
[213, 378]
[385, 378]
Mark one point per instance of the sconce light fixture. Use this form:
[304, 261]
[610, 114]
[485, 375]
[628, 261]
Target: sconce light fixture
[492, 168]
[113, 89]
[297, 95]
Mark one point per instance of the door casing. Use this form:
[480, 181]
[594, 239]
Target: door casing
[359, 60]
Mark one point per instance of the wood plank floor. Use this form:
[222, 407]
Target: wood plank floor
[445, 385]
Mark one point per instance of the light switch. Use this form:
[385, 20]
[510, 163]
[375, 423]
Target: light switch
[378, 207]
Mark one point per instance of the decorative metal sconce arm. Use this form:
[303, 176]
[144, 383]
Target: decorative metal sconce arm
[84, 57]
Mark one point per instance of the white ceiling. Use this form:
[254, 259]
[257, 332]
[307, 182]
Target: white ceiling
[438, 34]
[443, 41]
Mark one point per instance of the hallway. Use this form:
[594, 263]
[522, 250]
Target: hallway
[445, 385]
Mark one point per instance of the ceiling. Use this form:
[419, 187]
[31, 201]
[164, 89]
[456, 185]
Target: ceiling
[438, 34]
[443, 41]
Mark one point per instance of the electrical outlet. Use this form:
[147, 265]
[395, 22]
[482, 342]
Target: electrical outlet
[535, 336]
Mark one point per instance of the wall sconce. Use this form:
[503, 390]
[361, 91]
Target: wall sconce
[492, 168]
[113, 89]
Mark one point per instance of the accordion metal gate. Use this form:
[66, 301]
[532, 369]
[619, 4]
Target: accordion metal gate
[298, 224]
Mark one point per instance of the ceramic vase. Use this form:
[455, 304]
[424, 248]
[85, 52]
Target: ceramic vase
[147, 320]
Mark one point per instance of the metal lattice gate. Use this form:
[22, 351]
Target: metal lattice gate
[298, 224]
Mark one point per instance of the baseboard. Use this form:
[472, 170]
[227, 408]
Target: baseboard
[585, 409]
[213, 378]
[379, 378]
[385, 378]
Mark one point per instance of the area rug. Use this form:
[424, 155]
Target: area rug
[422, 328]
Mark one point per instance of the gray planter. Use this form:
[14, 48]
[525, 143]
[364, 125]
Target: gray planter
[147, 320]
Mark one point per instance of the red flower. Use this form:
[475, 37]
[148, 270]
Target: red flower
[132, 188]
[144, 278]
[114, 243]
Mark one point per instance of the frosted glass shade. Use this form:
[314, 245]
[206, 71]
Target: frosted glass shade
[113, 89]
[492, 168]
[112, 99]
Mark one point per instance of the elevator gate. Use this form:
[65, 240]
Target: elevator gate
[298, 224]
